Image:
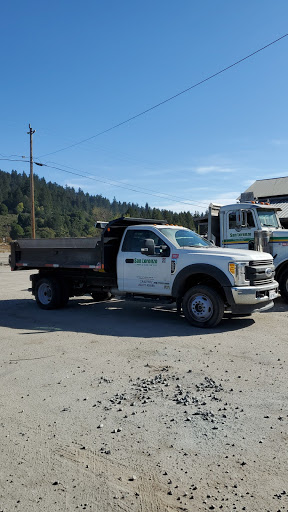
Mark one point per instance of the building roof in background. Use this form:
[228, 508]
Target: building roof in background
[283, 214]
[274, 189]
[270, 187]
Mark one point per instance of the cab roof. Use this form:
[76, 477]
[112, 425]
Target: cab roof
[251, 205]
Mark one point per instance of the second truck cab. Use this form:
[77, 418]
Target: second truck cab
[252, 225]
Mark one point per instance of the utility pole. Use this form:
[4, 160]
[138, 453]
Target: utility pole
[32, 183]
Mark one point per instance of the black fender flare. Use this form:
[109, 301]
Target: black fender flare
[202, 268]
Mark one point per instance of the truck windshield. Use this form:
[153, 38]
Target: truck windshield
[184, 237]
[268, 218]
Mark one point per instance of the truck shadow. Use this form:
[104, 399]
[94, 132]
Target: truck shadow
[111, 318]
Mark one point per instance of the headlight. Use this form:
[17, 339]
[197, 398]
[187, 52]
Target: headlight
[238, 272]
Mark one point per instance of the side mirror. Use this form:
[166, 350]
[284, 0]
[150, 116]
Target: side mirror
[149, 247]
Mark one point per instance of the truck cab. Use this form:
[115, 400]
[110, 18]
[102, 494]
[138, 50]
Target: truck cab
[164, 261]
[254, 226]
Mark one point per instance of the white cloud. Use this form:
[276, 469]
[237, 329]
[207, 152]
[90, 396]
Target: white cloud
[201, 204]
[225, 198]
[73, 185]
[182, 207]
[213, 169]
[279, 142]
[247, 183]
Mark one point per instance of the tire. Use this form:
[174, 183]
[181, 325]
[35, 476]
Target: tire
[203, 306]
[101, 296]
[283, 284]
[48, 293]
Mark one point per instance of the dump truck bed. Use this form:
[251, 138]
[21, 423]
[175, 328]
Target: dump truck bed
[57, 253]
[96, 253]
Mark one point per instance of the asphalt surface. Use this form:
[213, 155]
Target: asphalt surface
[120, 406]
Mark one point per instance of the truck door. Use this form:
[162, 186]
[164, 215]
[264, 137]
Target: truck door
[239, 228]
[141, 273]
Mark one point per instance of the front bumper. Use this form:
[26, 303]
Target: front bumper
[246, 299]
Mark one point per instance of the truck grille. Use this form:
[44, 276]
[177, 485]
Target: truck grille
[267, 263]
[260, 272]
[259, 283]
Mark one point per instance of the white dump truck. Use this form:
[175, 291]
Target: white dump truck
[146, 259]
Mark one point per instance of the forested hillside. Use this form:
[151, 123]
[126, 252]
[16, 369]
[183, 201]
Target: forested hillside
[62, 211]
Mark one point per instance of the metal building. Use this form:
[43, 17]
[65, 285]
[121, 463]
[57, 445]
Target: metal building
[274, 190]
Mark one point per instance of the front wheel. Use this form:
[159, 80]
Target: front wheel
[283, 285]
[203, 306]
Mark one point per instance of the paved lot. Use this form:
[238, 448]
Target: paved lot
[4, 258]
[123, 407]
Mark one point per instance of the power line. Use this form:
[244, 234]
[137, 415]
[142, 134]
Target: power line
[115, 183]
[10, 156]
[168, 99]
[125, 187]
[14, 160]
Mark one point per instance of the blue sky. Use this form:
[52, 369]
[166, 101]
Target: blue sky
[75, 69]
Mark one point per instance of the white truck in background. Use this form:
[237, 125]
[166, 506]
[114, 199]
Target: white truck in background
[255, 226]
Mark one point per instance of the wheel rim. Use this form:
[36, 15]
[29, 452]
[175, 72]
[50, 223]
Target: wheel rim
[44, 294]
[201, 307]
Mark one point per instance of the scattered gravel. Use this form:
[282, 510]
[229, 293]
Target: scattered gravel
[128, 408]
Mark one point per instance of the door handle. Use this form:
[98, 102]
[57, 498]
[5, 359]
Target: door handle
[129, 260]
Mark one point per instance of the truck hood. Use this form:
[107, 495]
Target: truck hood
[232, 254]
[281, 234]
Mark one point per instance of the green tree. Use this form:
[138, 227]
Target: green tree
[19, 208]
[3, 209]
[46, 233]
[68, 212]
[16, 231]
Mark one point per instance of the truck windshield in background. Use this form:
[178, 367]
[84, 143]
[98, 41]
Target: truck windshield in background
[268, 218]
[184, 237]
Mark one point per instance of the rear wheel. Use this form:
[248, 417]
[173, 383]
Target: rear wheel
[203, 306]
[48, 293]
[283, 284]
[101, 296]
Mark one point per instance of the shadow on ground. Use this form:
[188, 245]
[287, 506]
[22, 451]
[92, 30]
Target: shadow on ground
[111, 318]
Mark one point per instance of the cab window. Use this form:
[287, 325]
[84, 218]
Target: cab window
[247, 220]
[250, 219]
[232, 220]
[134, 241]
